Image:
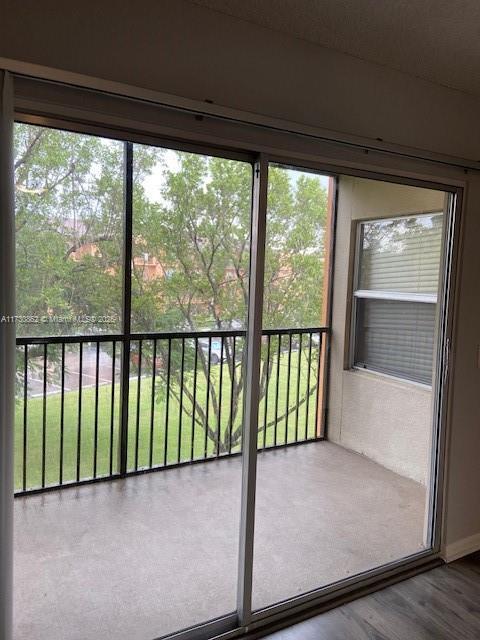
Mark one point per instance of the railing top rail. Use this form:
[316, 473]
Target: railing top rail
[164, 335]
[106, 337]
[294, 331]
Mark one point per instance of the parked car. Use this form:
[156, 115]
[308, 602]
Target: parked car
[215, 349]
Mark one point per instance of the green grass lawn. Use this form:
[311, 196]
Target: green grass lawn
[178, 440]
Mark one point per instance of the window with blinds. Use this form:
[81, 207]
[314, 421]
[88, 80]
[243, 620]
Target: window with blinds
[398, 266]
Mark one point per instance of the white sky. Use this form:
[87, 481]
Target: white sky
[154, 182]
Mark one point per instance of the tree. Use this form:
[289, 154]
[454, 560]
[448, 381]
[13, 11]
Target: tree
[194, 224]
[68, 198]
[198, 227]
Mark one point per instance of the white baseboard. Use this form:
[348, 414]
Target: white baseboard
[461, 548]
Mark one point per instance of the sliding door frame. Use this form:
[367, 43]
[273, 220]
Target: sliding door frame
[252, 390]
[440, 394]
[245, 620]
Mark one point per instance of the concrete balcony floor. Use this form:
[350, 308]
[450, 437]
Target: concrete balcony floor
[139, 558]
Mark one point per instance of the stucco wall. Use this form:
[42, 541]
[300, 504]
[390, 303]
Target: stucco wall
[383, 418]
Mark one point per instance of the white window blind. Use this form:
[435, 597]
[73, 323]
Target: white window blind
[395, 299]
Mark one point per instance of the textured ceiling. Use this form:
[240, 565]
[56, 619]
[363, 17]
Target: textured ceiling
[438, 40]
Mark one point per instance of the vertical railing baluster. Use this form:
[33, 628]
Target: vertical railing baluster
[317, 395]
[44, 414]
[275, 427]
[167, 401]
[232, 391]
[112, 408]
[25, 418]
[220, 390]
[241, 407]
[267, 380]
[298, 384]
[208, 396]
[194, 400]
[152, 405]
[307, 401]
[180, 403]
[185, 444]
[287, 399]
[139, 391]
[62, 414]
[79, 424]
[95, 433]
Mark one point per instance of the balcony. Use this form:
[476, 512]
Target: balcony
[95, 546]
[97, 407]
[134, 558]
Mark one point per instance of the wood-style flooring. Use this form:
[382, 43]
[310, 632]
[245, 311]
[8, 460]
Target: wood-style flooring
[441, 604]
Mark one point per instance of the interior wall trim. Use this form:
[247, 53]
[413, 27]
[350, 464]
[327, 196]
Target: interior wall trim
[461, 548]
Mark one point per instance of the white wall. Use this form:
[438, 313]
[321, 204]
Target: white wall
[388, 420]
[175, 47]
[180, 48]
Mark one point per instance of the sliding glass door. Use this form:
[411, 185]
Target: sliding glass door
[292, 384]
[132, 287]
[228, 379]
[189, 298]
[356, 495]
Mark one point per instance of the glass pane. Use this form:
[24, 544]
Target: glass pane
[295, 249]
[291, 407]
[401, 255]
[69, 208]
[191, 230]
[151, 553]
[69, 241]
[332, 507]
[381, 430]
[396, 338]
[191, 253]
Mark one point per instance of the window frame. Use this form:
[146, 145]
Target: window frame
[356, 293]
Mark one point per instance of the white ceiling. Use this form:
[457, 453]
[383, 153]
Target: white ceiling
[438, 40]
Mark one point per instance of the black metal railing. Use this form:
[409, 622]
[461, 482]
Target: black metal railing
[88, 410]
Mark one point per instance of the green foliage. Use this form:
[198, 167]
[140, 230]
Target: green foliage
[69, 228]
[191, 236]
[198, 229]
[295, 250]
